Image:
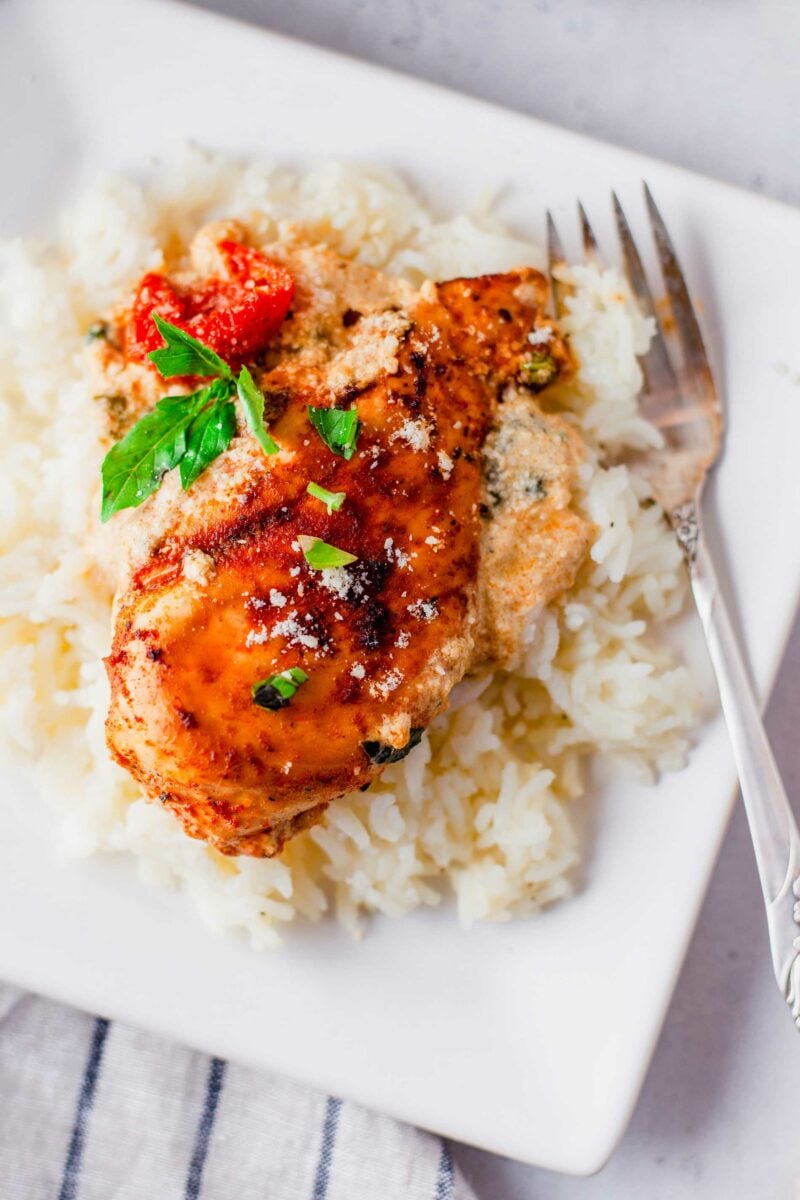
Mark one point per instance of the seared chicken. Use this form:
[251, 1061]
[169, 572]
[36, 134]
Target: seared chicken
[457, 508]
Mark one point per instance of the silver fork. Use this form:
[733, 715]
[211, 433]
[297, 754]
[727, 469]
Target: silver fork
[679, 397]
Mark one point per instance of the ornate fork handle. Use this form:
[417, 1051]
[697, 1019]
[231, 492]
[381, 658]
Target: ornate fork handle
[772, 825]
[680, 398]
[783, 917]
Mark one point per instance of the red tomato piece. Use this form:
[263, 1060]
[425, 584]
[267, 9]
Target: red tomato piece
[154, 294]
[236, 316]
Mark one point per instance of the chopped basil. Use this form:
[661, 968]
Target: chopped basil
[382, 754]
[338, 428]
[538, 369]
[333, 500]
[276, 691]
[253, 404]
[97, 332]
[184, 355]
[320, 555]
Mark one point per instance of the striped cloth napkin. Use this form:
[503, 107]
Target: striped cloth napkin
[94, 1110]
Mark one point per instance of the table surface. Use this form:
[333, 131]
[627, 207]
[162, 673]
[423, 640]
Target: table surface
[714, 86]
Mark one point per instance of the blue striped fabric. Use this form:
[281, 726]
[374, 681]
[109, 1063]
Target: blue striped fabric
[148, 1119]
[445, 1179]
[329, 1127]
[216, 1078]
[70, 1178]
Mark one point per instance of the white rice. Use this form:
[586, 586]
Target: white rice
[482, 808]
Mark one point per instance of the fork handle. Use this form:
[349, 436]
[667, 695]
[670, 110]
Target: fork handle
[773, 828]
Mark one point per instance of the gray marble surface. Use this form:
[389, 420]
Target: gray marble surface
[713, 85]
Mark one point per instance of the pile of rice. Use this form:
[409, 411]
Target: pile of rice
[482, 808]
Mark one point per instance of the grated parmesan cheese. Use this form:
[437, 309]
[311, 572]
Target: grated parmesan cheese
[416, 434]
[445, 463]
[198, 567]
[395, 554]
[341, 582]
[540, 337]
[293, 631]
[424, 609]
[383, 687]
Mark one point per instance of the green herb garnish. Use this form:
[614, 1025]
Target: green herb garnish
[381, 754]
[185, 431]
[338, 428]
[320, 555]
[134, 467]
[276, 691]
[208, 435]
[253, 404]
[184, 355]
[333, 500]
[538, 369]
[97, 332]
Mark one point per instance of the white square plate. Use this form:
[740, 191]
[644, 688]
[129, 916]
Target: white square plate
[530, 1039]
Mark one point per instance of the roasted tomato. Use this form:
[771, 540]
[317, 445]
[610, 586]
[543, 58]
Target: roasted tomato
[235, 314]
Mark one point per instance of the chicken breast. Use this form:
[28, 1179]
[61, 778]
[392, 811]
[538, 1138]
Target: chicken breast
[457, 510]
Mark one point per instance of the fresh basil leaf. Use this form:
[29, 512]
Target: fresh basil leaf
[184, 355]
[133, 468]
[253, 404]
[276, 691]
[338, 428]
[207, 436]
[220, 389]
[320, 555]
[333, 500]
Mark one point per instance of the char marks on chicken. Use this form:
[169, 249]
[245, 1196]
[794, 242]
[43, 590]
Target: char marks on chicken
[457, 511]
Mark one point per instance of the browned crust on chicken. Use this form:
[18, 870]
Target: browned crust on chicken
[214, 593]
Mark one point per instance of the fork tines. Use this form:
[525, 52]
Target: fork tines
[591, 251]
[681, 305]
[658, 372]
[660, 375]
[555, 261]
[679, 395]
